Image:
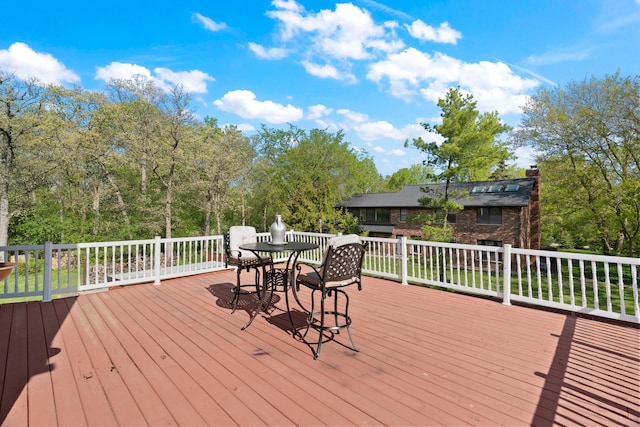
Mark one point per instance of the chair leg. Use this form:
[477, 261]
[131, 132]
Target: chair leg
[347, 319]
[321, 328]
[236, 292]
[238, 289]
[341, 320]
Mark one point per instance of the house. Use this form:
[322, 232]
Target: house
[495, 212]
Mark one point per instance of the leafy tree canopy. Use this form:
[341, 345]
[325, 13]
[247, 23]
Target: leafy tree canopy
[587, 135]
[413, 175]
[470, 149]
[314, 172]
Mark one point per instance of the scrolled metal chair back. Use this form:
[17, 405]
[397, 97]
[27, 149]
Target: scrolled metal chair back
[344, 263]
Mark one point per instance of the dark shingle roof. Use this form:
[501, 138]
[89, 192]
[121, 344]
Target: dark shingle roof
[409, 195]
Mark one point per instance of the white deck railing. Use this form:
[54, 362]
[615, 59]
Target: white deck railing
[598, 285]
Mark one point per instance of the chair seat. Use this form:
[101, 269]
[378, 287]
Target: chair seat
[248, 260]
[313, 280]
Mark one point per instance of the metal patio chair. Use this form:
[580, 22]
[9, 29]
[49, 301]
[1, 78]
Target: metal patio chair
[342, 267]
[243, 260]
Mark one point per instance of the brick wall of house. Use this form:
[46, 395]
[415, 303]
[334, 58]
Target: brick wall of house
[409, 228]
[513, 230]
[467, 231]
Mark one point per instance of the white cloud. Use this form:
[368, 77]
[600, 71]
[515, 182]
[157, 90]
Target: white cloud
[287, 5]
[25, 63]
[396, 152]
[120, 70]
[378, 6]
[424, 32]
[369, 130]
[353, 116]
[492, 84]
[317, 111]
[242, 127]
[526, 157]
[560, 55]
[342, 33]
[209, 23]
[268, 53]
[244, 104]
[327, 71]
[194, 81]
[617, 16]
[333, 37]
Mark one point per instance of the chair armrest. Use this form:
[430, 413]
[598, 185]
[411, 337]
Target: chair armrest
[317, 270]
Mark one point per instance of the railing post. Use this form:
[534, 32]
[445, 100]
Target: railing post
[48, 266]
[404, 260]
[156, 259]
[506, 275]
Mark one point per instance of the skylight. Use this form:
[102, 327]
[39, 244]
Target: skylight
[512, 187]
[494, 188]
[477, 189]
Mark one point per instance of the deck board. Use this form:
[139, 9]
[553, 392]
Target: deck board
[175, 355]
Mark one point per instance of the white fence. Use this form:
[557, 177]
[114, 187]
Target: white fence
[596, 285]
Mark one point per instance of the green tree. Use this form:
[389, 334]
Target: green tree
[587, 135]
[82, 179]
[222, 159]
[310, 173]
[470, 150]
[413, 175]
[22, 113]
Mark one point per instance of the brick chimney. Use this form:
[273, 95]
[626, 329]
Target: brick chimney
[534, 209]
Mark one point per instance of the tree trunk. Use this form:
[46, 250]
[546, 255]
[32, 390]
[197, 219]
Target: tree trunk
[96, 209]
[4, 222]
[207, 214]
[167, 205]
[121, 204]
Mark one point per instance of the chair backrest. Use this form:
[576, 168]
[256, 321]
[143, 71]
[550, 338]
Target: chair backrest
[241, 234]
[343, 261]
[237, 236]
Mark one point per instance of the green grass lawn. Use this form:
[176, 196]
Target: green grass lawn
[31, 280]
[543, 289]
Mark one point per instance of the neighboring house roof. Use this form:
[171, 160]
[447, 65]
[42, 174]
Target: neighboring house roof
[502, 193]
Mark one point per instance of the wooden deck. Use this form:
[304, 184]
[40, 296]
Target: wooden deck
[174, 355]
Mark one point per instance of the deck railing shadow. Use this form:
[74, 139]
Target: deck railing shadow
[24, 327]
[582, 360]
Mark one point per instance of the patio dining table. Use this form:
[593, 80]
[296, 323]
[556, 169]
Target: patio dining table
[272, 277]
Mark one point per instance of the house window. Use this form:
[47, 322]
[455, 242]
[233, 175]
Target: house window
[373, 214]
[355, 212]
[451, 217]
[489, 243]
[383, 215]
[491, 216]
[404, 213]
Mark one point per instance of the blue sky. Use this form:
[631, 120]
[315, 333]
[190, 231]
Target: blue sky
[374, 69]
